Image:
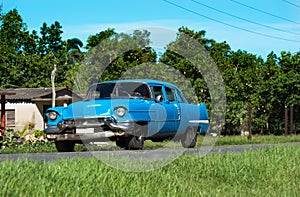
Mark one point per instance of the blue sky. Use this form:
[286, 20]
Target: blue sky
[256, 26]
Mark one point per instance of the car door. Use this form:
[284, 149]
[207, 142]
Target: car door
[162, 113]
[172, 108]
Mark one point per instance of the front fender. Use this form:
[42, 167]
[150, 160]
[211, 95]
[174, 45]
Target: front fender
[59, 111]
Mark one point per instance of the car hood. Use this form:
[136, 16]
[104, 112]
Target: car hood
[97, 108]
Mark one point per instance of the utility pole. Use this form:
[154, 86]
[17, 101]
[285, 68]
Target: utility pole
[53, 85]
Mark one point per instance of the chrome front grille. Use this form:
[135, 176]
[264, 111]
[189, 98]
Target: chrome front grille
[86, 122]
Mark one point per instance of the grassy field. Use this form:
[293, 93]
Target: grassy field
[265, 172]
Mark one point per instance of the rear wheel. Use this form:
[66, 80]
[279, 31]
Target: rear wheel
[189, 138]
[65, 146]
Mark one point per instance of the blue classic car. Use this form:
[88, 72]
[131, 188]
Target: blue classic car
[128, 112]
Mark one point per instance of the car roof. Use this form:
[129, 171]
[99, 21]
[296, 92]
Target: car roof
[148, 81]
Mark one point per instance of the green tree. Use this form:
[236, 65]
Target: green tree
[267, 96]
[73, 50]
[26, 60]
[184, 66]
[242, 84]
[111, 58]
[16, 43]
[94, 40]
[65, 54]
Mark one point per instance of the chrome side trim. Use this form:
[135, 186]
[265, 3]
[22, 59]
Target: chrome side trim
[199, 121]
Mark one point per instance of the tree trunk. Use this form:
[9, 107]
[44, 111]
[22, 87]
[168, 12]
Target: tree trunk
[291, 120]
[250, 123]
[285, 121]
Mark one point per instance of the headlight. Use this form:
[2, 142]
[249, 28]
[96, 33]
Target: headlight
[52, 115]
[121, 111]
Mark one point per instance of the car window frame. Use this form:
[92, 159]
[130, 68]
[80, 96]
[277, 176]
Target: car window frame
[93, 87]
[180, 96]
[162, 91]
[173, 93]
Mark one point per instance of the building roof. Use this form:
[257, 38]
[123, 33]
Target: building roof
[34, 94]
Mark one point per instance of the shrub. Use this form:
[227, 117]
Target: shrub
[38, 133]
[11, 138]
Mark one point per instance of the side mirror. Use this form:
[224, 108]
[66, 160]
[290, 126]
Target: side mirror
[159, 98]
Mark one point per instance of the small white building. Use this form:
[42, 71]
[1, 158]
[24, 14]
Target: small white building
[28, 105]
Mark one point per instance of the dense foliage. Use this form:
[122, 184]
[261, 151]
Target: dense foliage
[266, 86]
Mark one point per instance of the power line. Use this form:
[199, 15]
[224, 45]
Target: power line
[291, 3]
[227, 24]
[2, 8]
[243, 19]
[262, 11]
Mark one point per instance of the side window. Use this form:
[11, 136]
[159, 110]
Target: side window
[157, 92]
[180, 97]
[171, 94]
[95, 94]
[141, 91]
[91, 93]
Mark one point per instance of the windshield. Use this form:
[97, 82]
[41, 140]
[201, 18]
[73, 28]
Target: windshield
[119, 90]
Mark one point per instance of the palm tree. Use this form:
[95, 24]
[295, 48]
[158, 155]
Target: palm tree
[73, 50]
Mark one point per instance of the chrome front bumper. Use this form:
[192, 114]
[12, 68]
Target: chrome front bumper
[93, 129]
[110, 123]
[84, 136]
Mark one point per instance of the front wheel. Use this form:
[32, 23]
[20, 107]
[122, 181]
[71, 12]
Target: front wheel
[189, 138]
[131, 142]
[65, 146]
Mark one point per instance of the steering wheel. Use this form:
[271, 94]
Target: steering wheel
[136, 94]
[123, 93]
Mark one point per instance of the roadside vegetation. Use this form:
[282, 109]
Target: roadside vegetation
[34, 141]
[265, 172]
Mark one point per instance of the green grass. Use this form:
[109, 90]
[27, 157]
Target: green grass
[257, 139]
[229, 140]
[29, 148]
[265, 172]
[217, 141]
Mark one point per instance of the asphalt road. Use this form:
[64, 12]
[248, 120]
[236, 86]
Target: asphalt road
[149, 154]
